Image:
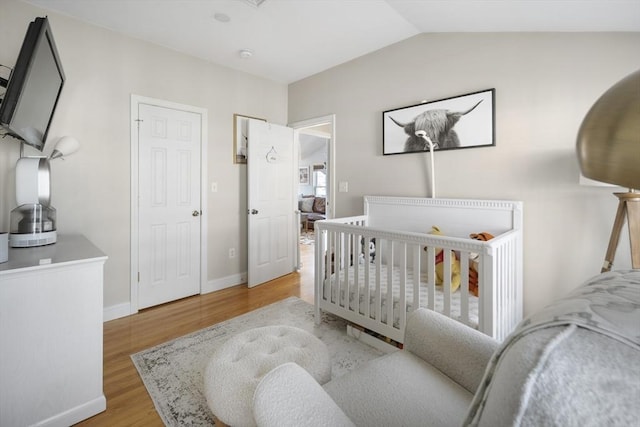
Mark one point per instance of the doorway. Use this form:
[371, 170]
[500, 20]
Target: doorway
[316, 142]
[168, 182]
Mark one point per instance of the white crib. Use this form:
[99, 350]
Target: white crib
[404, 265]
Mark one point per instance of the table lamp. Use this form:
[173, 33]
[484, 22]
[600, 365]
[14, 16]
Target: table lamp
[33, 222]
[608, 149]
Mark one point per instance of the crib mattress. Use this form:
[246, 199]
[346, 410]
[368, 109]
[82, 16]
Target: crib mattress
[438, 295]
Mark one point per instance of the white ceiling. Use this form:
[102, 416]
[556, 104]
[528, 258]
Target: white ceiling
[293, 39]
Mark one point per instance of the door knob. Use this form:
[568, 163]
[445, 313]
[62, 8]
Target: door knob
[254, 211]
[195, 213]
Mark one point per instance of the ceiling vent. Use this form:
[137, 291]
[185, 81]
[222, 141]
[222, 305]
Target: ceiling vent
[255, 3]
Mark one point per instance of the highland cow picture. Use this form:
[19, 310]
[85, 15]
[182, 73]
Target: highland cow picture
[463, 121]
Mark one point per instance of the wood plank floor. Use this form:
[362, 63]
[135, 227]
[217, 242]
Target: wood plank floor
[128, 403]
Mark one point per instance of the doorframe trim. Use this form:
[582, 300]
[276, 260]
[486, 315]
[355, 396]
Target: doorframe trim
[136, 100]
[331, 120]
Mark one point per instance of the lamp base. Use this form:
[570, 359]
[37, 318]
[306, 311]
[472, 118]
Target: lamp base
[32, 239]
[629, 207]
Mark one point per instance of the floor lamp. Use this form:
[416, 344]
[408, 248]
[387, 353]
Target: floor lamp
[608, 149]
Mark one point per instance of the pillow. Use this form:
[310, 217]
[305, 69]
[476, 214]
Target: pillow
[307, 204]
[319, 205]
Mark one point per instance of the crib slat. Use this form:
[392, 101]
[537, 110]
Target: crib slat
[483, 294]
[356, 273]
[328, 276]
[431, 275]
[320, 281]
[402, 303]
[367, 279]
[344, 268]
[506, 294]
[446, 283]
[347, 257]
[378, 294]
[337, 266]
[513, 308]
[389, 296]
[464, 287]
[500, 293]
[416, 250]
[348, 265]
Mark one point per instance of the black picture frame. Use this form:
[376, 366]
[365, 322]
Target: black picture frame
[462, 121]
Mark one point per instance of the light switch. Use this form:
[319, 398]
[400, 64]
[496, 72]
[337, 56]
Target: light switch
[214, 187]
[343, 187]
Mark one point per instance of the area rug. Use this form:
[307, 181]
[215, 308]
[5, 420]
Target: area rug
[173, 372]
[307, 237]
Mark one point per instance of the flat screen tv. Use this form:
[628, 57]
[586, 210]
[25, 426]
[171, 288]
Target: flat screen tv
[34, 87]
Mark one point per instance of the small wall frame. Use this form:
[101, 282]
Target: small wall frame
[240, 137]
[463, 121]
[303, 175]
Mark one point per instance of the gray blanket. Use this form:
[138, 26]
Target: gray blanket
[608, 304]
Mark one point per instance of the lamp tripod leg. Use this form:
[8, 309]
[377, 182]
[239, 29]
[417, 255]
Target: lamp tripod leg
[629, 208]
[633, 216]
[615, 237]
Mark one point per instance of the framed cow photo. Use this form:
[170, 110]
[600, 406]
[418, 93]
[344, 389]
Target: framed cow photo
[463, 121]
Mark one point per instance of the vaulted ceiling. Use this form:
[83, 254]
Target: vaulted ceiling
[289, 40]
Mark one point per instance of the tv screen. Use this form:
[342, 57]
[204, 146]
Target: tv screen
[34, 87]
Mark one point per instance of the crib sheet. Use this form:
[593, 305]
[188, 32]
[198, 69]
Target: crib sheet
[456, 297]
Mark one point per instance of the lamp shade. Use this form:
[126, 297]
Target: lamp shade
[608, 145]
[65, 146]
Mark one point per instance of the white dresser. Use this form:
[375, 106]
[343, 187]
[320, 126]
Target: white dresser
[51, 333]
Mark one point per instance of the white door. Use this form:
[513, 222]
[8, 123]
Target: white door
[272, 232]
[169, 204]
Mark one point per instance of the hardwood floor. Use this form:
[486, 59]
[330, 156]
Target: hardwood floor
[128, 403]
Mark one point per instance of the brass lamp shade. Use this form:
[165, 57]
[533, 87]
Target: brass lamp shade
[608, 144]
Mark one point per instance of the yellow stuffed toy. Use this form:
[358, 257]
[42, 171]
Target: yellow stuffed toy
[455, 265]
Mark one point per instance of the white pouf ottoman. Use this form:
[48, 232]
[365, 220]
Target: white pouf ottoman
[236, 368]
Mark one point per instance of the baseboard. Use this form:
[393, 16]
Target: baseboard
[224, 282]
[77, 414]
[116, 311]
[122, 310]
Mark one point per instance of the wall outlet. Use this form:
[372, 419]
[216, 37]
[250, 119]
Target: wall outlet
[232, 252]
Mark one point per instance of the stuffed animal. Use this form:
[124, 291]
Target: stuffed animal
[455, 265]
[372, 250]
[473, 265]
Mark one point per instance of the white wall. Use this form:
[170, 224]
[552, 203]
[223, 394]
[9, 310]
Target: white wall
[90, 189]
[545, 83]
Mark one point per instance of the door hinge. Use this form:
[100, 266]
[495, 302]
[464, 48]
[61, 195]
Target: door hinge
[138, 277]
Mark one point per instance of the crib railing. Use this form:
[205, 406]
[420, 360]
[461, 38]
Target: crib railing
[407, 256]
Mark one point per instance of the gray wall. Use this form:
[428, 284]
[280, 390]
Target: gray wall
[545, 83]
[91, 189]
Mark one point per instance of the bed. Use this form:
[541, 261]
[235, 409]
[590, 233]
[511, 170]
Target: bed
[357, 285]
